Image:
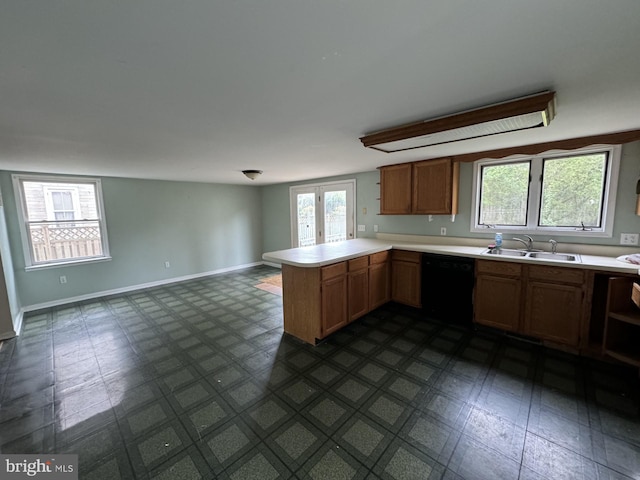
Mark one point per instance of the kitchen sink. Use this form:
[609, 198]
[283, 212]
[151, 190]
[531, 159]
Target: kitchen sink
[564, 257]
[507, 252]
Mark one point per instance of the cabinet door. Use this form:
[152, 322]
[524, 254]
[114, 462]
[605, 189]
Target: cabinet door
[497, 302]
[405, 283]
[334, 304]
[358, 293]
[553, 312]
[378, 285]
[395, 189]
[435, 187]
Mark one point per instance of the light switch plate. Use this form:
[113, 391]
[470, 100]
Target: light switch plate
[362, 228]
[628, 239]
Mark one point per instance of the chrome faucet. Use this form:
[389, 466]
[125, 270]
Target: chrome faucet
[554, 245]
[527, 243]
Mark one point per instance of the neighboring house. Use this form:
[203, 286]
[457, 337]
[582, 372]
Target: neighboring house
[62, 220]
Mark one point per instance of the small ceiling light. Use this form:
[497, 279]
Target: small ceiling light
[252, 174]
[511, 116]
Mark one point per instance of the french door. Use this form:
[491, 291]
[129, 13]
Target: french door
[322, 213]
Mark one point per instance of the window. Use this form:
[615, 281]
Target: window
[571, 194]
[62, 203]
[62, 219]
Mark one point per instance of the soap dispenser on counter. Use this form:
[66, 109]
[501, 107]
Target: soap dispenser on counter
[498, 241]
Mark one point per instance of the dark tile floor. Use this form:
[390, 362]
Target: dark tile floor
[196, 380]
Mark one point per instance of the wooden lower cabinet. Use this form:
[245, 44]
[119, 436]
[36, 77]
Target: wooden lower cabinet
[498, 293]
[319, 301]
[334, 303]
[554, 305]
[379, 292]
[358, 280]
[553, 312]
[302, 302]
[535, 300]
[406, 278]
[497, 302]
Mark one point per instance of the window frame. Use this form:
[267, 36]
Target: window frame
[534, 197]
[20, 198]
[318, 189]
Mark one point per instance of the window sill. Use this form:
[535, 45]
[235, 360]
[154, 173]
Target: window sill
[543, 232]
[69, 263]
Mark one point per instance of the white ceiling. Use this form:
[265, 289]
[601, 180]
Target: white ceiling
[199, 90]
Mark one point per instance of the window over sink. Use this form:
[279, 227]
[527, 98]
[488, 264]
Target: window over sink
[563, 193]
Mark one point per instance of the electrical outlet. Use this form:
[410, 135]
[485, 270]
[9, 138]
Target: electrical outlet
[443, 230]
[167, 264]
[628, 239]
[375, 228]
[63, 279]
[362, 228]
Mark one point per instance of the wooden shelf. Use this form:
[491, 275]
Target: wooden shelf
[622, 328]
[630, 316]
[632, 358]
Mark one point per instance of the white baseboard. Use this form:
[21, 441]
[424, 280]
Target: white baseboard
[132, 288]
[276, 265]
[17, 322]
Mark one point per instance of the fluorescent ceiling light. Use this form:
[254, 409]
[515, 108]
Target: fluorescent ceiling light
[511, 116]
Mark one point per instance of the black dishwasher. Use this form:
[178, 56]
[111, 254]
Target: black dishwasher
[447, 288]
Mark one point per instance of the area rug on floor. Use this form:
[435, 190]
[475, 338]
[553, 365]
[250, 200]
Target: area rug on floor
[271, 284]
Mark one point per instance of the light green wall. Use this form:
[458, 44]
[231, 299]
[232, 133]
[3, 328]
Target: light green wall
[196, 227]
[277, 231]
[206, 227]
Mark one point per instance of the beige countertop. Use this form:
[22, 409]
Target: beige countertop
[328, 253]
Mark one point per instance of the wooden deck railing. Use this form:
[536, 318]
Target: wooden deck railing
[55, 242]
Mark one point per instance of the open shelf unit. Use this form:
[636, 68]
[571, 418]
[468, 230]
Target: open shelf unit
[622, 328]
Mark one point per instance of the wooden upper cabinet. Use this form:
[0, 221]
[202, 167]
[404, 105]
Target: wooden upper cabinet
[435, 187]
[395, 189]
[429, 187]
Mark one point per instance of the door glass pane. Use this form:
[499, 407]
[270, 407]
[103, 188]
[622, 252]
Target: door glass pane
[573, 191]
[335, 216]
[503, 195]
[306, 217]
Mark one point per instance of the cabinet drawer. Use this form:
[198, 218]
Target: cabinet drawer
[406, 256]
[334, 270]
[359, 263]
[557, 274]
[499, 268]
[379, 257]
